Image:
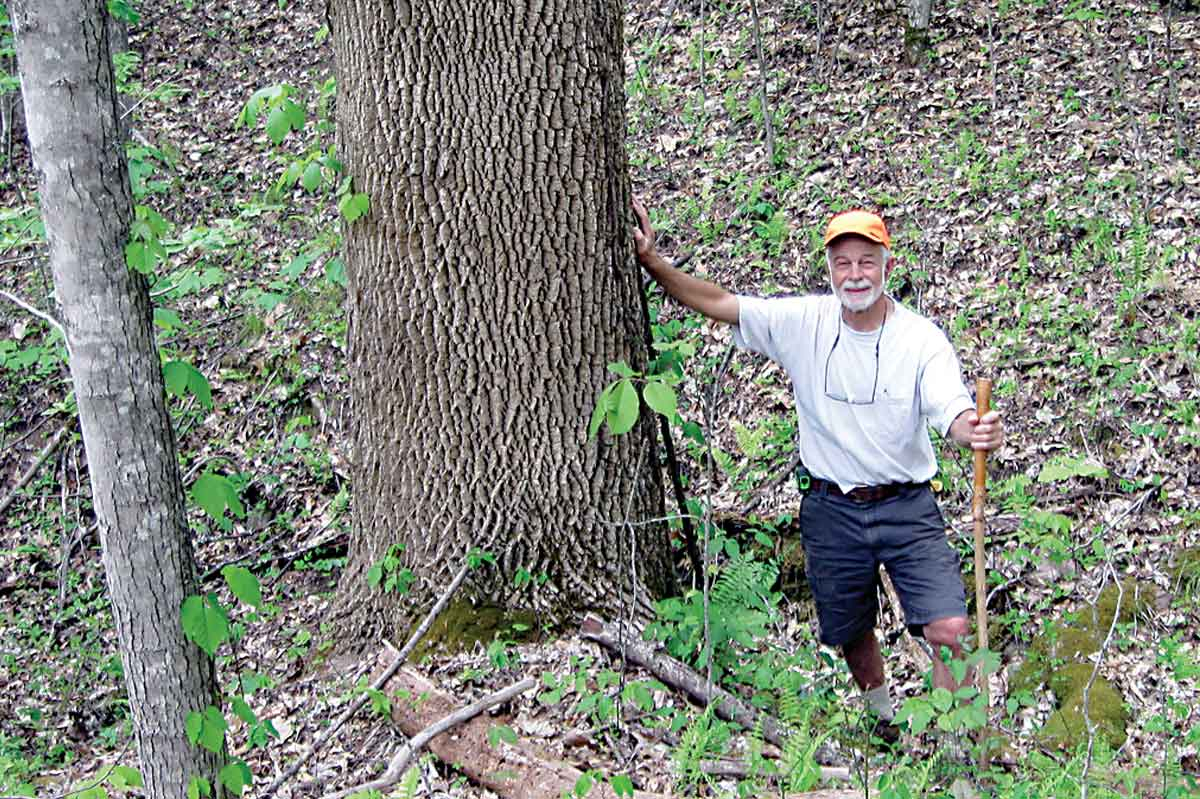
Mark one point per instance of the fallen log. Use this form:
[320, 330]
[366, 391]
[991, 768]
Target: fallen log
[511, 771]
[682, 677]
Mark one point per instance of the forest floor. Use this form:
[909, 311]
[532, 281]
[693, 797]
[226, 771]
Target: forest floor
[1040, 175]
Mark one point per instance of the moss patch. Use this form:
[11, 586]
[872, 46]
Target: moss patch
[1067, 728]
[462, 625]
[1060, 660]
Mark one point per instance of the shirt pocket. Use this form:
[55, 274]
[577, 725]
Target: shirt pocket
[891, 422]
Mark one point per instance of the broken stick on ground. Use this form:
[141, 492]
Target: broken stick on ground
[680, 676]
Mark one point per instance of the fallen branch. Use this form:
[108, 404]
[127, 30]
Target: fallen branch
[376, 684]
[776, 481]
[400, 761]
[46, 452]
[45, 317]
[512, 771]
[684, 678]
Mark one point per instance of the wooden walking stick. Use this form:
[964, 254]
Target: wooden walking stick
[983, 402]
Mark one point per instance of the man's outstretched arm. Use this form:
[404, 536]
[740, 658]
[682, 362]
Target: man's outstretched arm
[697, 294]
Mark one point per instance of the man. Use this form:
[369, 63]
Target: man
[868, 375]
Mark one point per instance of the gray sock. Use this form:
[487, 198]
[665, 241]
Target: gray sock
[879, 700]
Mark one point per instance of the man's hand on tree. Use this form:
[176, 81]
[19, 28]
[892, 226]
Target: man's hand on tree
[644, 237]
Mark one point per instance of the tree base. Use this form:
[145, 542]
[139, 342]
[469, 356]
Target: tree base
[916, 46]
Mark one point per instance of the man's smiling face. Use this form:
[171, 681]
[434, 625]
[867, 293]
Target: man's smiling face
[856, 271]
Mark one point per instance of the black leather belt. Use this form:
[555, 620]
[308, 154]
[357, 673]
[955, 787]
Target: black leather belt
[862, 493]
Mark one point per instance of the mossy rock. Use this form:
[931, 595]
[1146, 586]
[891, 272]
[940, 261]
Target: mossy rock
[1066, 727]
[1083, 632]
[1136, 599]
[462, 625]
[1070, 679]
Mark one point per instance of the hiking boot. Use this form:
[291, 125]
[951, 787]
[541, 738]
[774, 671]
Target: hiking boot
[885, 734]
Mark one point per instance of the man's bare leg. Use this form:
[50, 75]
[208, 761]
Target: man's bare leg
[865, 661]
[950, 633]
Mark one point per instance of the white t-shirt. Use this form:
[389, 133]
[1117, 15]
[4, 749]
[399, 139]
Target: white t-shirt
[859, 442]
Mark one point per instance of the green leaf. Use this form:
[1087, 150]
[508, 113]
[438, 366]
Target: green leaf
[959, 669]
[175, 375]
[1066, 467]
[277, 125]
[600, 412]
[941, 699]
[501, 732]
[622, 785]
[312, 176]
[584, 784]
[122, 11]
[374, 575]
[235, 776]
[661, 398]
[167, 319]
[205, 622]
[624, 412]
[215, 494]
[335, 272]
[294, 113]
[139, 257]
[206, 729]
[193, 724]
[253, 107]
[243, 711]
[243, 584]
[621, 369]
[197, 787]
[123, 777]
[182, 378]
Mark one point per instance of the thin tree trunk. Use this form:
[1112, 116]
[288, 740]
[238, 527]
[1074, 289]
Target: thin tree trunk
[489, 287]
[71, 112]
[916, 32]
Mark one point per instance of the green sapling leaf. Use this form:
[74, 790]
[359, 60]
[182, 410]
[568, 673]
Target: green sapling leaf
[621, 369]
[235, 776]
[243, 584]
[661, 398]
[123, 777]
[198, 787]
[624, 412]
[205, 622]
[311, 178]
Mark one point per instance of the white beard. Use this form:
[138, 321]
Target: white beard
[857, 305]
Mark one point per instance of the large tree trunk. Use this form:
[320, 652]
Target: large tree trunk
[489, 287]
[71, 112]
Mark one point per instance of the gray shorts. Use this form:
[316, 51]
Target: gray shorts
[844, 543]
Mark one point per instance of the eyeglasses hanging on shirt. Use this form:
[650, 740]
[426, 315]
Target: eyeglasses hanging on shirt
[839, 394]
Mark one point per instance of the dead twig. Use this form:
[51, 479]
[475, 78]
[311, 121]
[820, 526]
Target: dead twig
[42, 457]
[400, 761]
[377, 684]
[776, 481]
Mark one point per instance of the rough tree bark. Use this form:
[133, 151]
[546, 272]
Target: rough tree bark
[489, 287]
[71, 113]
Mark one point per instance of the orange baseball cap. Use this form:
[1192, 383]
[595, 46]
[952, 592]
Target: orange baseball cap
[861, 223]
